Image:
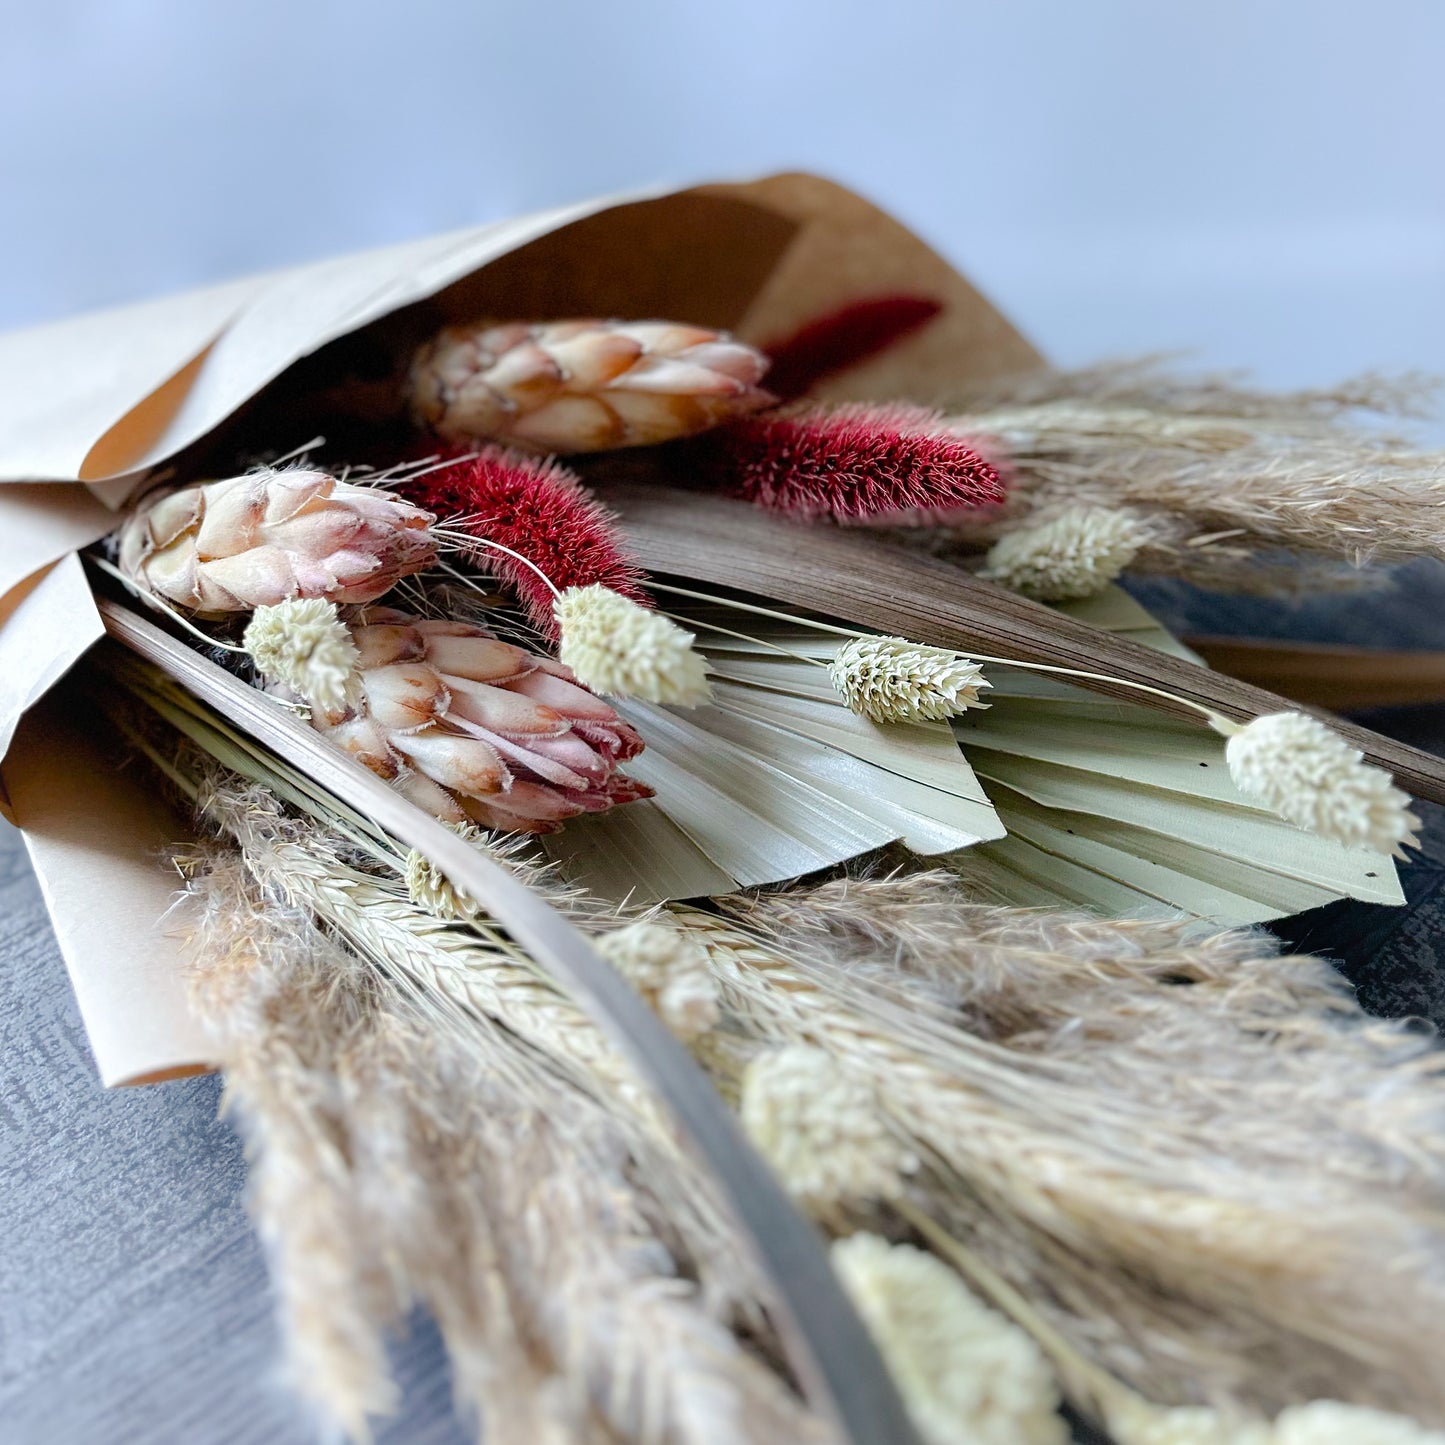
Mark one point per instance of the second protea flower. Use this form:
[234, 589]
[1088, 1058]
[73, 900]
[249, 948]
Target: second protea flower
[474, 729]
[271, 536]
[583, 386]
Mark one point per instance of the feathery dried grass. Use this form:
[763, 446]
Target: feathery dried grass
[401, 1158]
[1230, 486]
[1205, 1165]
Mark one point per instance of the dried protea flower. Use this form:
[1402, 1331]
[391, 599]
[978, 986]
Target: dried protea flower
[616, 647]
[892, 680]
[473, 728]
[1301, 770]
[273, 535]
[966, 1373]
[891, 465]
[1076, 553]
[583, 386]
[538, 511]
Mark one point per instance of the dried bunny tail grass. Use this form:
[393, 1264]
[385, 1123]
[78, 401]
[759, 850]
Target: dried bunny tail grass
[303, 645]
[510, 1203]
[1087, 1151]
[620, 649]
[669, 971]
[1314, 779]
[821, 1130]
[968, 1375]
[1076, 553]
[892, 680]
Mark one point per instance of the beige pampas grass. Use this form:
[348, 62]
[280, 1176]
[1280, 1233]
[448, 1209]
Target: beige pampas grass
[423, 1161]
[1301, 770]
[1073, 554]
[621, 649]
[891, 680]
[968, 1375]
[1229, 482]
[1217, 1178]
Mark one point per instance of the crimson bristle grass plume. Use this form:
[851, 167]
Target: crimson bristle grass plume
[538, 510]
[888, 465]
[843, 339]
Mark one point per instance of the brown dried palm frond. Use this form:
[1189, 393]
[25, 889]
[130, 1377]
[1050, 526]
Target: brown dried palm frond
[1200, 1160]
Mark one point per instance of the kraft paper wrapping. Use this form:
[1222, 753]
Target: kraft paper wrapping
[110, 399]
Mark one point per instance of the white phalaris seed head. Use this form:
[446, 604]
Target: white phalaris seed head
[1326, 1422]
[304, 645]
[821, 1130]
[968, 1376]
[430, 889]
[1301, 770]
[1136, 1421]
[891, 680]
[1323, 1422]
[1074, 554]
[670, 971]
[621, 649]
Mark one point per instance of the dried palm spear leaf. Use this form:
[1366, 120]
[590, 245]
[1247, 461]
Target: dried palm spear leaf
[271, 535]
[584, 385]
[470, 727]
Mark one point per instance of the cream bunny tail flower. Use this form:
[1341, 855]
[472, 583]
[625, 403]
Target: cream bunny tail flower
[669, 970]
[892, 680]
[1076, 553]
[820, 1129]
[1301, 770]
[304, 645]
[968, 1376]
[621, 649]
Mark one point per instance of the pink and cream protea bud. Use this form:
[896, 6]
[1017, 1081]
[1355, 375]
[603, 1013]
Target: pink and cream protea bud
[473, 728]
[583, 386]
[270, 536]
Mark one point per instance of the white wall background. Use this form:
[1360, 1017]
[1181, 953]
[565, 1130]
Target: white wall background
[1259, 181]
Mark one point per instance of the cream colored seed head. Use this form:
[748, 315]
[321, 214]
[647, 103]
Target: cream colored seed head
[968, 1376]
[1137, 1422]
[1326, 1422]
[820, 1130]
[891, 680]
[304, 645]
[620, 649]
[430, 889]
[1301, 770]
[670, 971]
[1074, 554]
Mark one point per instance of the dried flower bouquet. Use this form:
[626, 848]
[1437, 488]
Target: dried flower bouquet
[530, 888]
